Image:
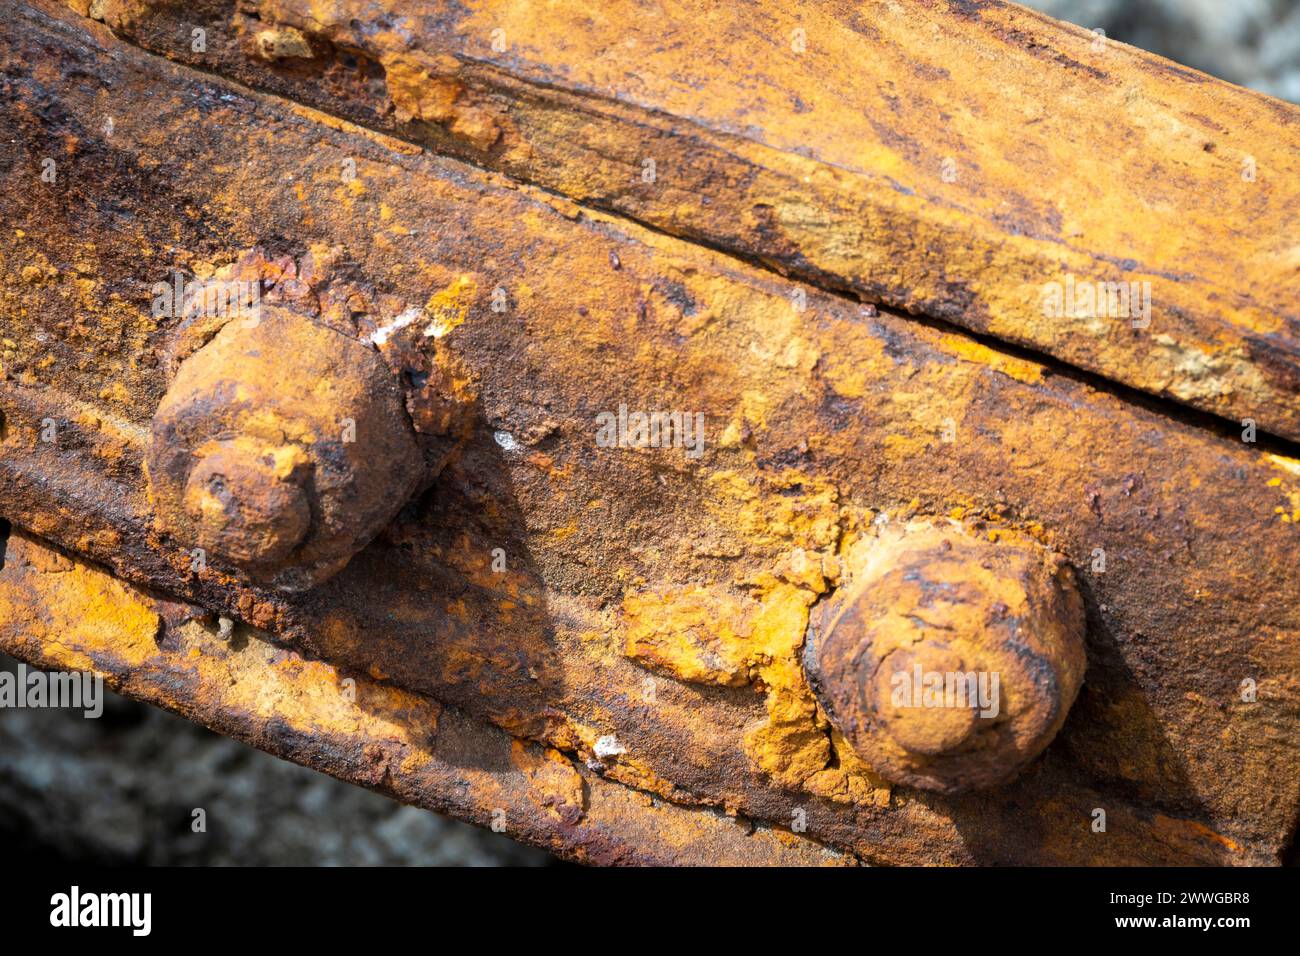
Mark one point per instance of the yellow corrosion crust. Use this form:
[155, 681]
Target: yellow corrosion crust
[59, 613]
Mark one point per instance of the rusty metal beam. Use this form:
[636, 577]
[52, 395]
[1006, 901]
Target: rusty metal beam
[953, 159]
[653, 606]
[62, 614]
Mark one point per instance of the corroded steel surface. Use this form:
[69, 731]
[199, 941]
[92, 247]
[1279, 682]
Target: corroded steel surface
[58, 613]
[948, 157]
[648, 613]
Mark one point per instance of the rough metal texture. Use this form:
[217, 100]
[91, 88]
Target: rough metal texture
[947, 157]
[933, 602]
[649, 620]
[282, 446]
[60, 614]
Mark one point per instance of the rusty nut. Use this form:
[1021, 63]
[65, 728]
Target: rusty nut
[950, 661]
[282, 447]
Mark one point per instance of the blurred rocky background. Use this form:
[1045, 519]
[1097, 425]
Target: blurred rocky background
[122, 789]
[1254, 43]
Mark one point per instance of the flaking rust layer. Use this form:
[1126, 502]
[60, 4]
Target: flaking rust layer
[61, 614]
[823, 425]
[951, 159]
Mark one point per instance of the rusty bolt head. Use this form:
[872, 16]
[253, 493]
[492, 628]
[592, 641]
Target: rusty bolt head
[244, 503]
[951, 661]
[281, 447]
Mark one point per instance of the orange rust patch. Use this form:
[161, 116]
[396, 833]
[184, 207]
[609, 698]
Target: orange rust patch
[698, 635]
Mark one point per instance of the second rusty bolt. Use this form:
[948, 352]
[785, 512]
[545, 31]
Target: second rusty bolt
[951, 661]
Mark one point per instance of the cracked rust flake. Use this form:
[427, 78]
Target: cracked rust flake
[974, 155]
[822, 427]
[60, 613]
